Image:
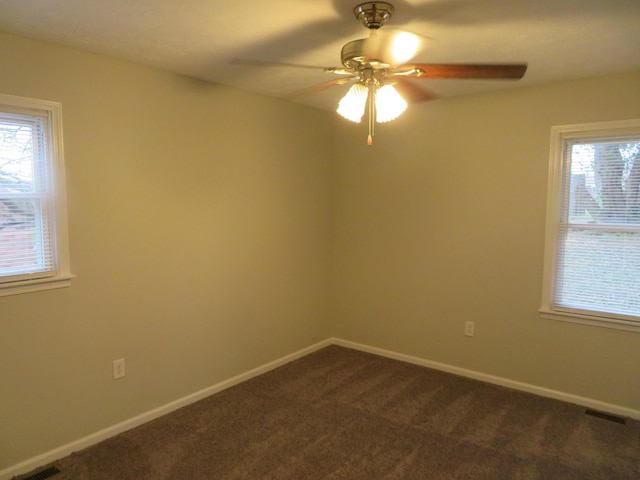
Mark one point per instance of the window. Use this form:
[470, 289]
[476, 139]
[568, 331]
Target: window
[33, 224]
[592, 252]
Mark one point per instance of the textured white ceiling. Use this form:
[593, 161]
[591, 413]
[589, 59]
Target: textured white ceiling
[559, 39]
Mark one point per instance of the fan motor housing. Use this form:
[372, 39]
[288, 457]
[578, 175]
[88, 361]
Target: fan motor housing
[354, 57]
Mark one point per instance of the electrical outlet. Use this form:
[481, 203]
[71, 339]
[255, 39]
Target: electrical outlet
[118, 368]
[469, 329]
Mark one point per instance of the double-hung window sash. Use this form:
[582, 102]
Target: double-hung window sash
[33, 245]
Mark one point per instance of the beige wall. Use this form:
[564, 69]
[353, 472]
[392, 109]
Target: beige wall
[199, 234]
[442, 221]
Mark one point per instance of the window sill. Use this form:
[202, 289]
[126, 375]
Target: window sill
[35, 285]
[594, 320]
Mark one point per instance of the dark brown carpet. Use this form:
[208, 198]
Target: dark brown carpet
[339, 414]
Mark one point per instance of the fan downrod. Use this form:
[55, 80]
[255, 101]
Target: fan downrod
[373, 15]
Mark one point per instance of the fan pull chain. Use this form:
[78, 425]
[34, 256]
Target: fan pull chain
[372, 112]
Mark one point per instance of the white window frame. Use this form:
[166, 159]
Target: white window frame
[558, 168]
[61, 275]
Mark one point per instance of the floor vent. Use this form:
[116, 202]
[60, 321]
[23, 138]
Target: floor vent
[606, 416]
[41, 475]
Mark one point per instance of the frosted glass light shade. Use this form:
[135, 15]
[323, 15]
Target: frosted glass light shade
[353, 103]
[389, 104]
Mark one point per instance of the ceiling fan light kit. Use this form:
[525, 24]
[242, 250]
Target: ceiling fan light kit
[384, 104]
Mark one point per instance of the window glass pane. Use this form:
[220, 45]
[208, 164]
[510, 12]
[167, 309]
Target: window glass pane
[600, 271]
[605, 183]
[16, 165]
[24, 238]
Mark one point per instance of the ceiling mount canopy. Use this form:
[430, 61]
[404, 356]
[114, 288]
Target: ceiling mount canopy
[373, 15]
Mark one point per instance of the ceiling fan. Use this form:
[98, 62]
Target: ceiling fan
[378, 64]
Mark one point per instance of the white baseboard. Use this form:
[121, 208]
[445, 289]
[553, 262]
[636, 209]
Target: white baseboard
[113, 430]
[92, 439]
[505, 382]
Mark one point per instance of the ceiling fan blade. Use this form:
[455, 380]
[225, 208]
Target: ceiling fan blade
[322, 86]
[265, 63]
[412, 92]
[462, 70]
